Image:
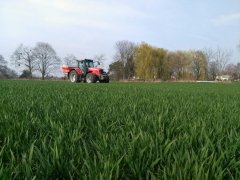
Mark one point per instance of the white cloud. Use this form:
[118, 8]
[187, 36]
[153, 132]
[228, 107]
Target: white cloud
[227, 19]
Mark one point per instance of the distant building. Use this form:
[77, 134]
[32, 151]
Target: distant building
[223, 78]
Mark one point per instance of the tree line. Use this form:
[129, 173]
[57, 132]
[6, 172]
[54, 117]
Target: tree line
[146, 62]
[5, 71]
[41, 58]
[131, 61]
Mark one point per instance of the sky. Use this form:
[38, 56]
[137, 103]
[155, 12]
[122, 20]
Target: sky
[87, 28]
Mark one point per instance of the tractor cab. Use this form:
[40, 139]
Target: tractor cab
[85, 64]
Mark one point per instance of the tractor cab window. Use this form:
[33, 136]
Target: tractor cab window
[89, 64]
[81, 64]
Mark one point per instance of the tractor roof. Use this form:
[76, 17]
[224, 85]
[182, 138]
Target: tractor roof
[86, 60]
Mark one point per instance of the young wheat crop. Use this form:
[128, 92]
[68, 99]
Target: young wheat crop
[57, 130]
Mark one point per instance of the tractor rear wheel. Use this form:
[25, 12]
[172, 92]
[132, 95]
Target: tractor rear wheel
[91, 78]
[74, 77]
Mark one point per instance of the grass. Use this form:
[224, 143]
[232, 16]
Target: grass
[61, 130]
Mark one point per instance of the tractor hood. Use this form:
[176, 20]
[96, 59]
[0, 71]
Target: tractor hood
[94, 69]
[97, 71]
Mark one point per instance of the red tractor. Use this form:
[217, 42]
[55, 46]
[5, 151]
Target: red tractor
[86, 72]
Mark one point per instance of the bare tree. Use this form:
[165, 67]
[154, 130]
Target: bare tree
[232, 70]
[212, 70]
[238, 70]
[217, 61]
[125, 54]
[47, 60]
[6, 72]
[222, 57]
[23, 57]
[211, 65]
[100, 58]
[2, 66]
[209, 54]
[70, 60]
[3, 62]
[238, 46]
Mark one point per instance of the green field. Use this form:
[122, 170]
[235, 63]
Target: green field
[62, 130]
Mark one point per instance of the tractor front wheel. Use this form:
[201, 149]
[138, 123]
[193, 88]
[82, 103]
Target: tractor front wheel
[104, 81]
[74, 77]
[91, 78]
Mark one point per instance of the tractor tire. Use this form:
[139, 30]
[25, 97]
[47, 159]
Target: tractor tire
[104, 81]
[91, 78]
[74, 77]
[107, 81]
